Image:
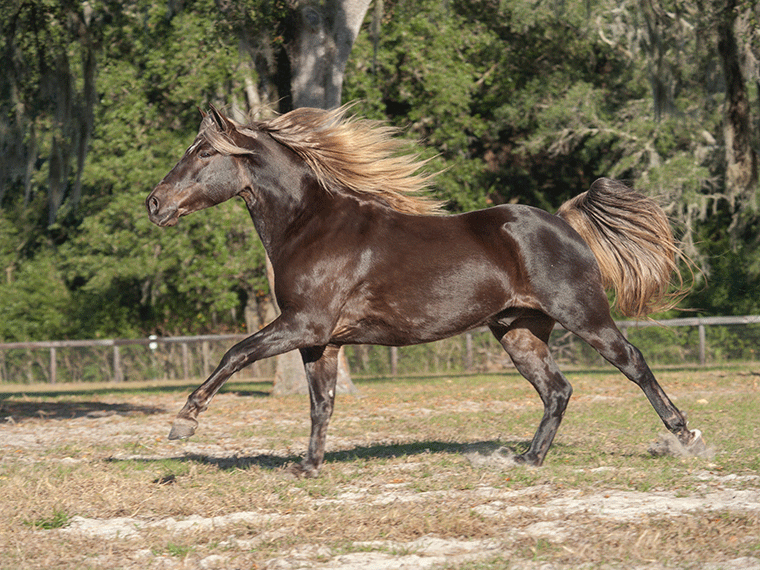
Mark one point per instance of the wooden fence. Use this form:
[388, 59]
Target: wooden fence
[701, 323]
[202, 361]
[116, 345]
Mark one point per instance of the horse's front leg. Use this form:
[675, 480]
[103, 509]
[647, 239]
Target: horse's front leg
[277, 337]
[321, 365]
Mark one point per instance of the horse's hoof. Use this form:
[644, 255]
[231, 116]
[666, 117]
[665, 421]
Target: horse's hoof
[669, 444]
[182, 428]
[697, 445]
[300, 471]
[527, 460]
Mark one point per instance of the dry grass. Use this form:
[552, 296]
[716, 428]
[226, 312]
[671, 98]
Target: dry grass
[397, 476]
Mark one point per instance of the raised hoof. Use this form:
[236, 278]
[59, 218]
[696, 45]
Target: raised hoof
[182, 428]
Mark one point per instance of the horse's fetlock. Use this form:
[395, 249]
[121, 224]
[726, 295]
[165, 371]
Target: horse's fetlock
[195, 406]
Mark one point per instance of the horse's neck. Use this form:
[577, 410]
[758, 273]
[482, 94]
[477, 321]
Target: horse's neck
[280, 205]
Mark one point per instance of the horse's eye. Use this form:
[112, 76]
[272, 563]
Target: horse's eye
[205, 153]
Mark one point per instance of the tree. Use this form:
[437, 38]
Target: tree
[321, 37]
[512, 100]
[125, 278]
[648, 106]
[41, 43]
[741, 158]
[323, 34]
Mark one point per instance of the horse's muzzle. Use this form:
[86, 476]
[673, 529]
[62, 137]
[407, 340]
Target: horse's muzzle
[160, 216]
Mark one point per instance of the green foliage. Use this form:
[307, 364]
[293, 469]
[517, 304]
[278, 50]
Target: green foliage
[406, 82]
[732, 286]
[511, 100]
[36, 302]
[107, 270]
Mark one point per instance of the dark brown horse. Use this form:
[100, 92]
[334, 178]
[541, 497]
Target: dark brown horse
[359, 258]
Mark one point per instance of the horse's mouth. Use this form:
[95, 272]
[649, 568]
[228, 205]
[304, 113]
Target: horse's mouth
[169, 222]
[165, 221]
[163, 218]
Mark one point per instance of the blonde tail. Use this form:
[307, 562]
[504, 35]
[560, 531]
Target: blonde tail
[630, 236]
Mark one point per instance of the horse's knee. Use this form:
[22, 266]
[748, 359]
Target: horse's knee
[555, 394]
[322, 412]
[233, 361]
[564, 390]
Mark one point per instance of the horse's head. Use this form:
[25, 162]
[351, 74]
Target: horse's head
[204, 177]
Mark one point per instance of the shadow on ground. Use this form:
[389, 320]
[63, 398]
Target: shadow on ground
[50, 404]
[370, 452]
[15, 411]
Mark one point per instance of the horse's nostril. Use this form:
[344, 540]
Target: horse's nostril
[153, 205]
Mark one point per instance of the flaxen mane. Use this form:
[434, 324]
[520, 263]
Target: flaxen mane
[361, 155]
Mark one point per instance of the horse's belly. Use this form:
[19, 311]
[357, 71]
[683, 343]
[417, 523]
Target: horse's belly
[423, 316]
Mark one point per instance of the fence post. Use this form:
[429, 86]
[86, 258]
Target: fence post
[118, 376]
[394, 360]
[53, 366]
[468, 352]
[206, 358]
[702, 343]
[185, 361]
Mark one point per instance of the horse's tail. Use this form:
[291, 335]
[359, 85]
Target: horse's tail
[630, 236]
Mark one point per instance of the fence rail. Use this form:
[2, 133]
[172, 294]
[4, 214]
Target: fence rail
[195, 356]
[117, 374]
[700, 322]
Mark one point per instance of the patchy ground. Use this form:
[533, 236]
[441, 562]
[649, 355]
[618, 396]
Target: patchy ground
[415, 478]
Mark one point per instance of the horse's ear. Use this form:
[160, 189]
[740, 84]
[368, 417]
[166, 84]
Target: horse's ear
[222, 122]
[202, 112]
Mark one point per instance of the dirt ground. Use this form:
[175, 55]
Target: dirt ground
[517, 518]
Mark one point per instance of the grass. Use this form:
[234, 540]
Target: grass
[396, 471]
[59, 519]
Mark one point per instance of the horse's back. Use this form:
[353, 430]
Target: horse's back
[535, 238]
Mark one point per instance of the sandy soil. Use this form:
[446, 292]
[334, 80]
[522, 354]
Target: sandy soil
[31, 429]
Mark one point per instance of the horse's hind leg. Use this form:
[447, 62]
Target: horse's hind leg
[613, 346]
[526, 341]
[321, 364]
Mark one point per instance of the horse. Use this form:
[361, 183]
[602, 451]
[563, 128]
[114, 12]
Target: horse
[362, 254]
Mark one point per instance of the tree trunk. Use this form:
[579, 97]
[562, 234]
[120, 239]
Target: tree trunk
[741, 159]
[322, 40]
